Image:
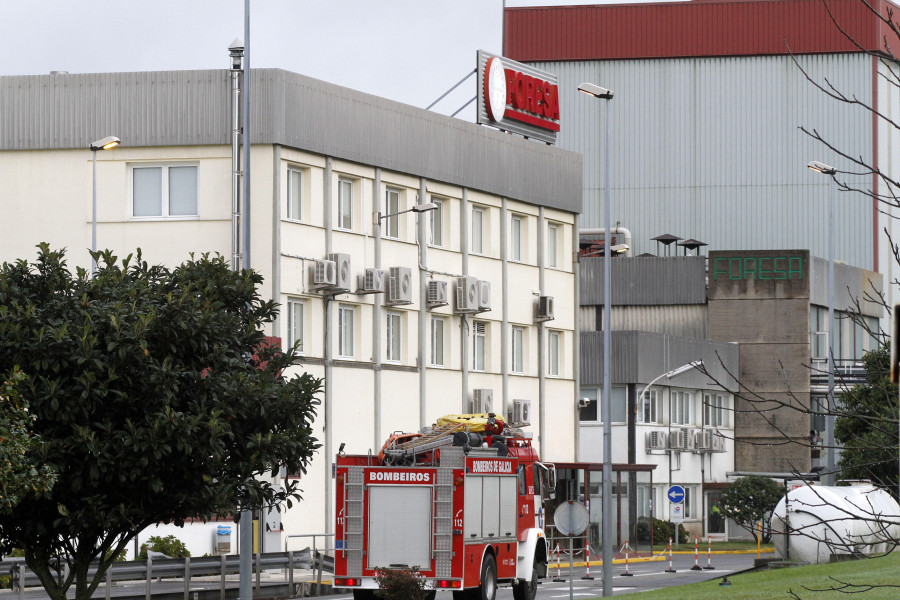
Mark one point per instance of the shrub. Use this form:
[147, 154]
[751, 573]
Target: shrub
[400, 584]
[662, 531]
[170, 545]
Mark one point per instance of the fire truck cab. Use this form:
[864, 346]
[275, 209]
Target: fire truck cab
[463, 508]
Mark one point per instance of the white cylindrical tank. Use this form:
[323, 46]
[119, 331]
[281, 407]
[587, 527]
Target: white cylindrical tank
[826, 520]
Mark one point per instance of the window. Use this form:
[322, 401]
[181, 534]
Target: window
[437, 341]
[648, 410]
[164, 191]
[345, 204]
[552, 245]
[477, 230]
[295, 324]
[588, 411]
[688, 504]
[345, 331]
[518, 350]
[394, 343]
[553, 353]
[392, 207]
[619, 405]
[436, 217]
[515, 238]
[682, 405]
[618, 408]
[295, 194]
[716, 410]
[479, 345]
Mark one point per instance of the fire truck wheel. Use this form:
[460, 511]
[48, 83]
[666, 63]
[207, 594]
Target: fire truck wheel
[431, 595]
[527, 590]
[363, 594]
[488, 578]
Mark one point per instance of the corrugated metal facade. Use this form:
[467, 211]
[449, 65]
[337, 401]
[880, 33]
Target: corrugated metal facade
[646, 280]
[710, 149]
[174, 108]
[640, 356]
[691, 29]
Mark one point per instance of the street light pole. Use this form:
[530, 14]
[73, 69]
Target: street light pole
[606, 409]
[106, 143]
[829, 417]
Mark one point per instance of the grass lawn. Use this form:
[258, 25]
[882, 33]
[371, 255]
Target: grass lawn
[805, 582]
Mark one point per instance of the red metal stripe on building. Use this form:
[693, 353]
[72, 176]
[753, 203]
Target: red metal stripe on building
[691, 29]
[531, 120]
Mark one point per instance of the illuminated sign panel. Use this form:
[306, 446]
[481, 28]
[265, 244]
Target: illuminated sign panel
[518, 98]
[757, 267]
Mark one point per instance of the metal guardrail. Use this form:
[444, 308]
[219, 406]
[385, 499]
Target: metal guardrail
[183, 568]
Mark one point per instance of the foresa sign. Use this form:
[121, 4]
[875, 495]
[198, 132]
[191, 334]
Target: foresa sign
[518, 98]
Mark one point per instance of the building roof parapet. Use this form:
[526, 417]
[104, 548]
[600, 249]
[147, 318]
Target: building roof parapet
[192, 108]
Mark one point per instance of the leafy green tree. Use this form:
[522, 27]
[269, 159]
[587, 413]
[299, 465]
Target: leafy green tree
[156, 398]
[19, 474]
[170, 545]
[750, 500]
[866, 425]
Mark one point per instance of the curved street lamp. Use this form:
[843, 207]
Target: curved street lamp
[106, 143]
[602, 93]
[829, 417]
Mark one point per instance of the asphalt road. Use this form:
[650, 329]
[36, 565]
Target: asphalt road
[646, 576]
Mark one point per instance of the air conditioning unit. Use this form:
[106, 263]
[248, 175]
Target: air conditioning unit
[520, 413]
[718, 442]
[687, 437]
[436, 294]
[324, 274]
[703, 439]
[370, 282]
[482, 401]
[342, 269]
[656, 440]
[484, 296]
[466, 295]
[677, 441]
[544, 309]
[400, 286]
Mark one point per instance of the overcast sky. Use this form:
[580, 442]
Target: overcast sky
[406, 50]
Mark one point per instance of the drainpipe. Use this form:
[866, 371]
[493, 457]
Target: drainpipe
[236, 52]
[504, 324]
[328, 407]
[423, 314]
[542, 359]
[576, 339]
[463, 323]
[376, 311]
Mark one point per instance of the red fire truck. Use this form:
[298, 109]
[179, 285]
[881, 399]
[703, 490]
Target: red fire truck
[465, 508]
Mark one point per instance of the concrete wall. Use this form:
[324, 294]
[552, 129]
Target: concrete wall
[761, 299]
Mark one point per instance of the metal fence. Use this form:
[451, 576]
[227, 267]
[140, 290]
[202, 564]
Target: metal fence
[186, 569]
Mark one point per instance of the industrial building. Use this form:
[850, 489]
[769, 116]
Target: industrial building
[707, 163]
[424, 265]
[705, 139]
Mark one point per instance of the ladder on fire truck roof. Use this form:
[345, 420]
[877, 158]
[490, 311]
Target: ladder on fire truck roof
[437, 437]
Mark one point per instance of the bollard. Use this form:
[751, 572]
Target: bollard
[587, 554]
[696, 566]
[626, 573]
[709, 554]
[558, 571]
[670, 569]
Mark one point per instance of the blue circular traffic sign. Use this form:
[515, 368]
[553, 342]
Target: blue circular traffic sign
[676, 494]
